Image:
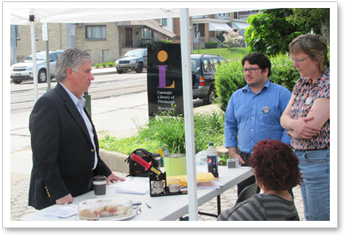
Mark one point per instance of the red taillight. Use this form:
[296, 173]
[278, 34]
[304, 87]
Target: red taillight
[202, 81]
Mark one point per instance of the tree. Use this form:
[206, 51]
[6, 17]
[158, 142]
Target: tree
[316, 19]
[233, 39]
[271, 31]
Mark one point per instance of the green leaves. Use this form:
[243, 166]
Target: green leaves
[271, 31]
[230, 77]
[283, 72]
[168, 129]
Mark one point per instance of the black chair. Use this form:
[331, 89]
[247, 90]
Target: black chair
[247, 192]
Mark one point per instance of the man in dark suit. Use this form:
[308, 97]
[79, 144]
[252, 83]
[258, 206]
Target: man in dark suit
[63, 138]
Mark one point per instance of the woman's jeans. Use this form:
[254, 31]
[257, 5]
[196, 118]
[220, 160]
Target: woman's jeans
[314, 165]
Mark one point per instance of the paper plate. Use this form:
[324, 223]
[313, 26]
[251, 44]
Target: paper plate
[113, 218]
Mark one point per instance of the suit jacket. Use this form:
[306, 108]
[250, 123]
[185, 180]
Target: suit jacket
[63, 154]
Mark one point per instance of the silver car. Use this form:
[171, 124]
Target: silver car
[24, 69]
[133, 60]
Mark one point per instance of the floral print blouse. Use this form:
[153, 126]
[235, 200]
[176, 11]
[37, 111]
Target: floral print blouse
[305, 94]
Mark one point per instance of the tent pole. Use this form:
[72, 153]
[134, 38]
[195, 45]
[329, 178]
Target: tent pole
[33, 49]
[188, 114]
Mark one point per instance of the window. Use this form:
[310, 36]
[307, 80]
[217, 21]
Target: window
[146, 33]
[215, 62]
[212, 65]
[53, 57]
[194, 63]
[206, 65]
[164, 22]
[96, 32]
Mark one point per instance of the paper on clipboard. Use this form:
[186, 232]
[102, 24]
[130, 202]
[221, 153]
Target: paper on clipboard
[65, 211]
[131, 187]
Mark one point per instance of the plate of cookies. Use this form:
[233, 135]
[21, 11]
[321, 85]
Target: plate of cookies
[106, 209]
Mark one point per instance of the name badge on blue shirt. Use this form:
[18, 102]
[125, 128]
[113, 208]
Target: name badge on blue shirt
[266, 109]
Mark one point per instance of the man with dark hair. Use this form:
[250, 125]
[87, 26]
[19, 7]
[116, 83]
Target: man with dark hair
[64, 141]
[254, 111]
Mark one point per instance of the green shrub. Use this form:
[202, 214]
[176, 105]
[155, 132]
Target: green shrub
[104, 64]
[165, 41]
[148, 44]
[168, 129]
[230, 77]
[111, 64]
[211, 45]
[97, 65]
[283, 72]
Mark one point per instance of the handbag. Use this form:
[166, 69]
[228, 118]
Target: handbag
[136, 169]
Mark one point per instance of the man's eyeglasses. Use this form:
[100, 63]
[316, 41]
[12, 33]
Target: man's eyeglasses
[298, 61]
[251, 70]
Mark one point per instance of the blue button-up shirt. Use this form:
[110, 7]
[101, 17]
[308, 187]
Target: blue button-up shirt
[251, 117]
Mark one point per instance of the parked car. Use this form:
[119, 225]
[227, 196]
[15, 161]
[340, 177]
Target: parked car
[133, 60]
[24, 71]
[203, 70]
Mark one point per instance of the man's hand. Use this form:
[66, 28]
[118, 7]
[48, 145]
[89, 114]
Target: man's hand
[113, 178]
[65, 200]
[235, 155]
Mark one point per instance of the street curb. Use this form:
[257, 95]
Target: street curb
[115, 160]
[94, 72]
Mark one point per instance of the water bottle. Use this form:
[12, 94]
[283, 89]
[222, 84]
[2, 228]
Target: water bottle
[212, 160]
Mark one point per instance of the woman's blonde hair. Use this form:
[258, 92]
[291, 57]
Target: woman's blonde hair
[313, 45]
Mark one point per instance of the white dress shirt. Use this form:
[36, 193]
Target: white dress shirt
[80, 104]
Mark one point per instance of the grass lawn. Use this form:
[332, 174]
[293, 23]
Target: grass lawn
[232, 54]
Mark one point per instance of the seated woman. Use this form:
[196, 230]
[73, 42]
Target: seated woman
[275, 167]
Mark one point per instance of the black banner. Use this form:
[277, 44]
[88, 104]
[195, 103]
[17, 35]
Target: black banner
[164, 78]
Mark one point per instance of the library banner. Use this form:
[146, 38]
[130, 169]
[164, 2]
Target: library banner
[164, 78]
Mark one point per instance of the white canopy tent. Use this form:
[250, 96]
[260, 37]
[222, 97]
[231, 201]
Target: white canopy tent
[31, 13]
[92, 15]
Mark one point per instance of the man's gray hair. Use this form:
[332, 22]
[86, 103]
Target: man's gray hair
[70, 58]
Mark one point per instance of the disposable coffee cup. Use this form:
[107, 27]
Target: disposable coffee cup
[99, 185]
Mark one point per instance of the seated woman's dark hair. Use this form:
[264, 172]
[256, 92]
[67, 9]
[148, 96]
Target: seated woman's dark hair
[275, 165]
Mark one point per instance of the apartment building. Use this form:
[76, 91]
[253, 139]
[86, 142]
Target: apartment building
[104, 41]
[108, 41]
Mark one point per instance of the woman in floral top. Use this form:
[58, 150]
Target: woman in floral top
[307, 120]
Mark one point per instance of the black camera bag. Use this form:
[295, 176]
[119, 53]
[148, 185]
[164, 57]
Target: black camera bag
[136, 169]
